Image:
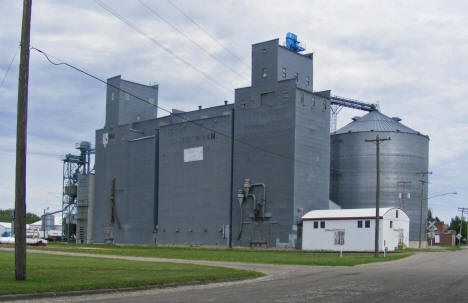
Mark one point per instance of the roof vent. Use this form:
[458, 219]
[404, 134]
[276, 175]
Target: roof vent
[397, 119]
[355, 118]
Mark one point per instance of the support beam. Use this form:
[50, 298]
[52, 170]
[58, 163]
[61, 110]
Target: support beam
[351, 103]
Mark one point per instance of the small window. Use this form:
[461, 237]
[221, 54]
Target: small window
[284, 72]
[264, 51]
[307, 80]
[367, 223]
[296, 76]
[396, 214]
[313, 101]
[316, 224]
[302, 98]
[126, 97]
[322, 224]
[359, 224]
[391, 224]
[242, 104]
[285, 97]
[264, 73]
[112, 96]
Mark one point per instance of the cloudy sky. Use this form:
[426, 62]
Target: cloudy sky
[410, 57]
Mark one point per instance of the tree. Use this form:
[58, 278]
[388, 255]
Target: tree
[430, 218]
[455, 225]
[5, 216]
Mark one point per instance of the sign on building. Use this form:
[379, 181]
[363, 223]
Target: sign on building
[193, 154]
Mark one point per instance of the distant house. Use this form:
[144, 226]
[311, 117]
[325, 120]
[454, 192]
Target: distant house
[354, 229]
[442, 235]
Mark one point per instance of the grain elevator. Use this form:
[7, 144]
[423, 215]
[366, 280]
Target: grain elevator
[240, 174]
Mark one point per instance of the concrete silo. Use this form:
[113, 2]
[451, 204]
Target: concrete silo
[403, 162]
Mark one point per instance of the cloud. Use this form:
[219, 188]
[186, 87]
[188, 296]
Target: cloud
[408, 57]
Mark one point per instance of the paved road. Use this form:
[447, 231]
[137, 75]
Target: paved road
[439, 277]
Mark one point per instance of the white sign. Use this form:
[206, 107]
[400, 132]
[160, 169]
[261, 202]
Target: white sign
[459, 236]
[105, 139]
[431, 226]
[193, 154]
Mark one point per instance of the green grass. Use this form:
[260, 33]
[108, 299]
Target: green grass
[261, 256]
[48, 273]
[441, 248]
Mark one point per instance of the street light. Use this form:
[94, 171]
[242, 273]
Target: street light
[440, 195]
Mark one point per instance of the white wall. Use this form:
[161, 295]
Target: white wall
[356, 239]
[400, 224]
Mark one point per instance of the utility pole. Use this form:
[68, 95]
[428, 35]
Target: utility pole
[22, 118]
[425, 173]
[404, 183]
[463, 210]
[377, 141]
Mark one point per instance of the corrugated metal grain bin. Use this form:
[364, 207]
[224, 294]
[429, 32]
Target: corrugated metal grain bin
[402, 159]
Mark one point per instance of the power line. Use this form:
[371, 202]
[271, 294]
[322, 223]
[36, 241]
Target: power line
[207, 33]
[8, 68]
[180, 116]
[169, 51]
[190, 39]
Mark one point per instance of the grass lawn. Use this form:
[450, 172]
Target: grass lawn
[440, 248]
[47, 273]
[280, 257]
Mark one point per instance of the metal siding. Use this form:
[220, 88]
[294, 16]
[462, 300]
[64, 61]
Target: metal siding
[267, 60]
[353, 172]
[194, 197]
[132, 166]
[135, 109]
[269, 125]
[120, 111]
[102, 190]
[82, 209]
[295, 62]
[312, 153]
[136, 210]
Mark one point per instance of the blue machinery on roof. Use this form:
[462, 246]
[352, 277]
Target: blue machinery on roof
[293, 44]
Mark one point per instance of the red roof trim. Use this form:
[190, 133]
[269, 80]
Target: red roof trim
[340, 218]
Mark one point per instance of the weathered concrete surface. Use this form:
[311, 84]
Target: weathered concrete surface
[424, 277]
